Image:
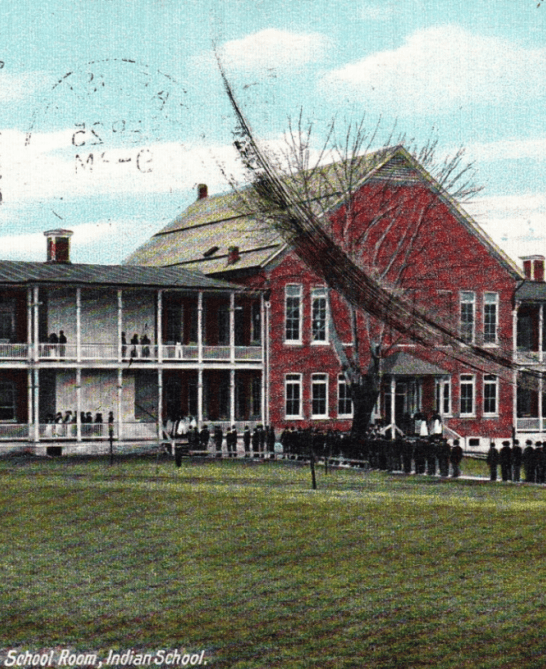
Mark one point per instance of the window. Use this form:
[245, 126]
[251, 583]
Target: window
[319, 313]
[256, 323]
[467, 395]
[293, 395]
[7, 322]
[467, 317]
[490, 395]
[490, 316]
[293, 313]
[319, 396]
[443, 397]
[7, 401]
[344, 402]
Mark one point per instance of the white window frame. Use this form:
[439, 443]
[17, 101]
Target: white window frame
[342, 383]
[319, 293]
[491, 299]
[467, 380]
[443, 396]
[319, 381]
[297, 292]
[293, 380]
[467, 297]
[492, 381]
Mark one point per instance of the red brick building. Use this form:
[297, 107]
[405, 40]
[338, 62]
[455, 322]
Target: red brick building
[404, 229]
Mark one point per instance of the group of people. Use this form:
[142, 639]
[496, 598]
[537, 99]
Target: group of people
[512, 458]
[420, 454]
[139, 347]
[59, 425]
[58, 346]
[188, 437]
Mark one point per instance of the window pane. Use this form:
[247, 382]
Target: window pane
[319, 319]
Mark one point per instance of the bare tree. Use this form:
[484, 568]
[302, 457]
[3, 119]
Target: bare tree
[315, 198]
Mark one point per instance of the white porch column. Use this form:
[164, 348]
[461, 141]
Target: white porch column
[78, 324]
[120, 323]
[232, 327]
[200, 327]
[540, 333]
[264, 329]
[120, 390]
[199, 397]
[36, 405]
[29, 326]
[232, 396]
[78, 403]
[393, 401]
[160, 404]
[515, 331]
[36, 333]
[30, 410]
[159, 326]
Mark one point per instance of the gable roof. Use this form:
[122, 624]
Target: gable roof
[200, 237]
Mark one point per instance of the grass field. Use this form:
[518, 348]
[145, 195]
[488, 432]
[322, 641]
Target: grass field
[246, 562]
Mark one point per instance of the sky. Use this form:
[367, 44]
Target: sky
[112, 111]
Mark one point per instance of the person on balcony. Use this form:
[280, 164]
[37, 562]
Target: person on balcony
[123, 346]
[53, 340]
[62, 344]
[135, 347]
[145, 345]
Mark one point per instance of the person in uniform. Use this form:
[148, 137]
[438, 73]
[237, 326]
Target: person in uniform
[255, 443]
[204, 437]
[231, 441]
[456, 458]
[493, 461]
[529, 462]
[517, 456]
[505, 458]
[246, 441]
[444, 452]
[218, 438]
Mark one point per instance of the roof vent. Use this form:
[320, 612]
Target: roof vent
[233, 255]
[58, 245]
[202, 191]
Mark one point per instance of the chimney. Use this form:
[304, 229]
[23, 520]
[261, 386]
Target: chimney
[233, 255]
[202, 191]
[58, 245]
[533, 267]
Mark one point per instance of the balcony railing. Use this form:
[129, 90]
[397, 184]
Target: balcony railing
[13, 351]
[138, 353]
[11, 431]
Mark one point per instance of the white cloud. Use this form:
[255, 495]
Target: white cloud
[442, 67]
[51, 167]
[270, 49]
[516, 223]
[509, 149]
[14, 87]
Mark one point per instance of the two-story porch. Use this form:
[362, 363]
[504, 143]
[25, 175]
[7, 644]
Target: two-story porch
[82, 343]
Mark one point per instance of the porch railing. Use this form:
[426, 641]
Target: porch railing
[14, 351]
[530, 424]
[97, 431]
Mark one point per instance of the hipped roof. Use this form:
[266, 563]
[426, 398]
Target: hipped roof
[405, 364]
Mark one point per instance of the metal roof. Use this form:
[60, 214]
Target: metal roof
[531, 291]
[19, 272]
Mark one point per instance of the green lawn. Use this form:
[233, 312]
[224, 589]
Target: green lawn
[247, 562]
